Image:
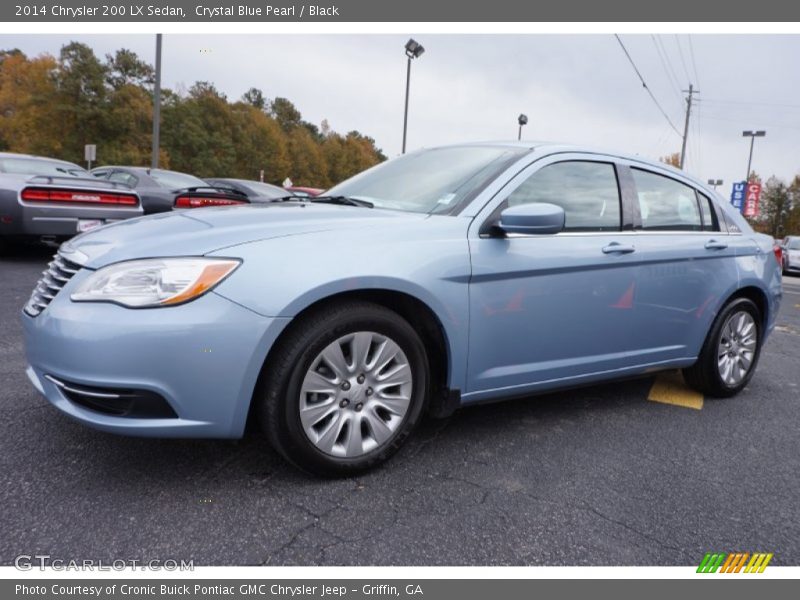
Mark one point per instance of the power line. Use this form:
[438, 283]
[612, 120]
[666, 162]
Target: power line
[746, 103]
[743, 120]
[694, 62]
[683, 61]
[673, 84]
[675, 78]
[644, 85]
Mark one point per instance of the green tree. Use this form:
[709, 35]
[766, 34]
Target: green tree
[255, 97]
[126, 68]
[285, 113]
[80, 99]
[774, 207]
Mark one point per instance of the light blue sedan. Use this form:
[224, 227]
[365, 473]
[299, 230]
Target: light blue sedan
[436, 280]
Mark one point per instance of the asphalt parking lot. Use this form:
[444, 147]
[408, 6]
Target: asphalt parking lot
[598, 476]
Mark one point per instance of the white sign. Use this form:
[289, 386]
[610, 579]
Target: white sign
[90, 152]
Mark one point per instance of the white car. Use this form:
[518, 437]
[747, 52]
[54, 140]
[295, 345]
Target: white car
[791, 254]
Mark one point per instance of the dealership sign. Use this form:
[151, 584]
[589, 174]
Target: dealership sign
[737, 194]
[745, 197]
[752, 195]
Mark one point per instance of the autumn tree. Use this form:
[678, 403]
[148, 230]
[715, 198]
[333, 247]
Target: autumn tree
[673, 160]
[53, 106]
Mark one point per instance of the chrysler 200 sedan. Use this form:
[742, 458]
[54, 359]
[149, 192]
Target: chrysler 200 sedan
[440, 279]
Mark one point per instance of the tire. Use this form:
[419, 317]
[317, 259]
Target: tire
[358, 431]
[709, 374]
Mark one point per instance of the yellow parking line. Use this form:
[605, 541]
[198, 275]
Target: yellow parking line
[669, 388]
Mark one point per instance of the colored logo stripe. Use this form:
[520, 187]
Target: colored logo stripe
[734, 562]
[711, 563]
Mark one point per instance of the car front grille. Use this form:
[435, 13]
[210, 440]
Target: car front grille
[58, 273]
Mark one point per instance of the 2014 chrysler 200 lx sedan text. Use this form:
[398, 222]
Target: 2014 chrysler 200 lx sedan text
[438, 279]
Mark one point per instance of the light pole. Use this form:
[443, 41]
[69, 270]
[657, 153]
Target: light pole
[522, 120]
[752, 135]
[156, 105]
[715, 182]
[413, 50]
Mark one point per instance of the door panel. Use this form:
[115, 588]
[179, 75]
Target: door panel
[546, 308]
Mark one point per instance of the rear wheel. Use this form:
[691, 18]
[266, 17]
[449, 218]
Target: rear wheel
[730, 353]
[344, 389]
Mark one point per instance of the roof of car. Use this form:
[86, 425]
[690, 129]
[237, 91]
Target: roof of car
[130, 168]
[33, 156]
[559, 147]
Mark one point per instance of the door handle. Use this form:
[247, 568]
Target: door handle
[617, 248]
[715, 245]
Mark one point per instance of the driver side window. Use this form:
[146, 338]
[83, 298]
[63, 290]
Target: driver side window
[587, 191]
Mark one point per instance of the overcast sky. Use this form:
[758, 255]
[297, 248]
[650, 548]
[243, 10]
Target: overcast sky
[574, 88]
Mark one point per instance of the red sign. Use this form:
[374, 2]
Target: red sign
[751, 198]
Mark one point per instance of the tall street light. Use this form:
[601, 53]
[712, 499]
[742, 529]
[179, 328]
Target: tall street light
[413, 50]
[752, 135]
[157, 106]
[715, 182]
[522, 120]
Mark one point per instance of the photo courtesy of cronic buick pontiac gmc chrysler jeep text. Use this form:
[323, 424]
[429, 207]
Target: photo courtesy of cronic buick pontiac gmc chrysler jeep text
[436, 280]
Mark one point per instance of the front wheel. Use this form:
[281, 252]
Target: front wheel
[730, 353]
[344, 389]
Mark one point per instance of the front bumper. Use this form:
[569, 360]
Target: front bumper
[203, 358]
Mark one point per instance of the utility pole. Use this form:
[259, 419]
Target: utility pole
[157, 105]
[691, 91]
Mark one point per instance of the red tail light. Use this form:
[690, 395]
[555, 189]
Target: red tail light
[778, 253]
[199, 202]
[78, 196]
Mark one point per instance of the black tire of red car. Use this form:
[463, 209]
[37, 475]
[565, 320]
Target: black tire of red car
[704, 375]
[278, 398]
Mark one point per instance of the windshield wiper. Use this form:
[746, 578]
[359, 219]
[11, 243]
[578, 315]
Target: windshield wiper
[345, 200]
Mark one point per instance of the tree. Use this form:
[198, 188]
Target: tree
[673, 160]
[79, 101]
[792, 223]
[53, 106]
[255, 97]
[126, 68]
[260, 145]
[774, 207]
[27, 115]
[285, 113]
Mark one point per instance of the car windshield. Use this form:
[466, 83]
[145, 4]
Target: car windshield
[37, 166]
[429, 181]
[794, 244]
[174, 180]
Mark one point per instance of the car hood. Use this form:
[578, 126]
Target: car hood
[197, 232]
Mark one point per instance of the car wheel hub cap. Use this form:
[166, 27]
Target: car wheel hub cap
[737, 347]
[356, 394]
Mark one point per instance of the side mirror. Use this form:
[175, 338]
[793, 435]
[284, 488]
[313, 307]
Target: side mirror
[535, 218]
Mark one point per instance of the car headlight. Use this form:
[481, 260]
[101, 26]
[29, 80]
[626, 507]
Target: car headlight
[154, 282]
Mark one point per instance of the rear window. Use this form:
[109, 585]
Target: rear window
[666, 204]
[36, 166]
[174, 180]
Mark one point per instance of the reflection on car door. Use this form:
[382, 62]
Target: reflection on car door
[544, 308]
[686, 259]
